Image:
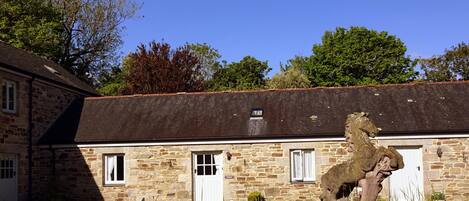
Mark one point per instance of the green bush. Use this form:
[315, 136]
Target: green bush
[438, 196]
[255, 196]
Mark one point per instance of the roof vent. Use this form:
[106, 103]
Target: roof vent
[257, 113]
[52, 70]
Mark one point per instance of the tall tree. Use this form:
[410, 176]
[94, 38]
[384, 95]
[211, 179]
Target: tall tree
[158, 69]
[92, 34]
[359, 56]
[112, 83]
[249, 73]
[453, 65]
[34, 25]
[208, 58]
[81, 35]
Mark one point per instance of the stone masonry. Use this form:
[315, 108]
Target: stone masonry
[165, 172]
[49, 101]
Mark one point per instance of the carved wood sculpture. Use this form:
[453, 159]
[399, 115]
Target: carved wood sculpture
[367, 168]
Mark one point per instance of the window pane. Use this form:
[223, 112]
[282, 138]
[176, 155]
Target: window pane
[297, 166]
[2, 173]
[215, 169]
[200, 159]
[200, 170]
[110, 168]
[208, 159]
[2, 164]
[4, 96]
[11, 97]
[308, 164]
[120, 168]
[208, 170]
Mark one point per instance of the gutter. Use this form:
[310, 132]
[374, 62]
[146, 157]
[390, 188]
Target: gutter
[30, 138]
[242, 141]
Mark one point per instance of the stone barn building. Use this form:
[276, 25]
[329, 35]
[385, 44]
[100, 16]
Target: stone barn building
[34, 93]
[60, 144]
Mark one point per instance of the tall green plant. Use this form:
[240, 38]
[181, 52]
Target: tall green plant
[359, 56]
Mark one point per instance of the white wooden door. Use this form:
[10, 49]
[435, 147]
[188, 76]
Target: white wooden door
[8, 181]
[407, 184]
[208, 176]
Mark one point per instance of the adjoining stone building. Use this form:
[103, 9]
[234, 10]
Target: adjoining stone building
[34, 92]
[215, 146]
[222, 146]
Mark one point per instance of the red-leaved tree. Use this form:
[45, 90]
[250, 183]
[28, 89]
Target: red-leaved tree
[159, 69]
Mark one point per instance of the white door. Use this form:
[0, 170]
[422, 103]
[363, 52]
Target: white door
[407, 184]
[8, 186]
[208, 176]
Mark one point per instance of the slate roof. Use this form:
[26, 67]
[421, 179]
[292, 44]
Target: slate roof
[432, 108]
[27, 63]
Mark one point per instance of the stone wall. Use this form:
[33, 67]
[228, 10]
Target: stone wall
[165, 172]
[49, 101]
[13, 130]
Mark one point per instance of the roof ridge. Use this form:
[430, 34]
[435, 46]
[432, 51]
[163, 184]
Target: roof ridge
[279, 90]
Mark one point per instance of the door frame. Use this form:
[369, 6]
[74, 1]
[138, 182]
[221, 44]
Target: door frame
[193, 165]
[421, 174]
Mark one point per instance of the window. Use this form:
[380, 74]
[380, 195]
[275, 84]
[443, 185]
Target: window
[9, 96]
[208, 164]
[257, 113]
[302, 165]
[114, 169]
[7, 169]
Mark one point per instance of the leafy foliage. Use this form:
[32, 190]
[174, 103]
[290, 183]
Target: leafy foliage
[453, 65]
[81, 35]
[255, 196]
[112, 83]
[249, 73]
[158, 69]
[438, 196]
[290, 78]
[34, 25]
[92, 34]
[208, 59]
[358, 56]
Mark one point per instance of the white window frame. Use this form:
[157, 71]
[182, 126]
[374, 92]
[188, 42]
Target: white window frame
[301, 176]
[9, 84]
[107, 180]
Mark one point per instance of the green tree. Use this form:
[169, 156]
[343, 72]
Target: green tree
[290, 78]
[81, 35]
[358, 56]
[34, 25]
[112, 83]
[453, 65]
[208, 58]
[249, 73]
[92, 34]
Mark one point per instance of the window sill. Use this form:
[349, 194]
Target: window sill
[13, 112]
[114, 184]
[303, 182]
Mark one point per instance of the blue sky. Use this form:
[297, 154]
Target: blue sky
[278, 30]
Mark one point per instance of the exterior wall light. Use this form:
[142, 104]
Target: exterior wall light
[439, 152]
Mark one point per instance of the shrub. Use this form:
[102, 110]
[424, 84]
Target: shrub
[255, 196]
[438, 196]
